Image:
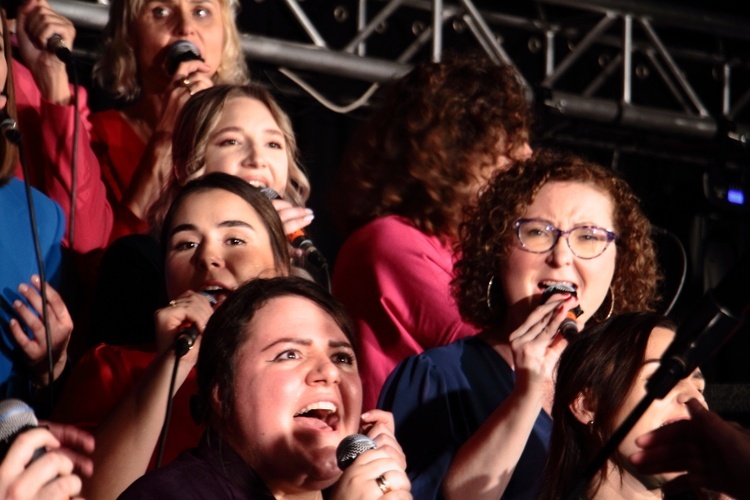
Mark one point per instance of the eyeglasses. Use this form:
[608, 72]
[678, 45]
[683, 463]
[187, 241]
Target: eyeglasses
[586, 242]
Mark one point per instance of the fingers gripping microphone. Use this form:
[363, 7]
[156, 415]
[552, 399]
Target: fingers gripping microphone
[15, 418]
[189, 332]
[179, 52]
[56, 45]
[299, 239]
[351, 447]
[568, 326]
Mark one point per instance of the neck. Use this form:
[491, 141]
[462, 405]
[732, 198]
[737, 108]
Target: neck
[626, 487]
[306, 495]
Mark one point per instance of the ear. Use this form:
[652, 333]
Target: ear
[216, 402]
[582, 408]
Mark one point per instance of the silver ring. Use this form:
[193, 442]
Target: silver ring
[186, 82]
[384, 485]
[172, 303]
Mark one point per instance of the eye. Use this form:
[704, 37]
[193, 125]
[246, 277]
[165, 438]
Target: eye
[160, 12]
[202, 12]
[289, 354]
[235, 241]
[229, 142]
[343, 357]
[184, 245]
[275, 145]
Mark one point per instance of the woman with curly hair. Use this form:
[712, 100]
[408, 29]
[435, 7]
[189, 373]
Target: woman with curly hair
[552, 222]
[418, 162]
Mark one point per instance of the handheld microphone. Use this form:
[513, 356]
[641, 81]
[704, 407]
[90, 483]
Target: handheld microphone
[16, 417]
[56, 45]
[568, 326]
[298, 238]
[189, 332]
[351, 447]
[9, 128]
[179, 52]
[719, 315]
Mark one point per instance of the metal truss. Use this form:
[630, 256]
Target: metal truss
[684, 72]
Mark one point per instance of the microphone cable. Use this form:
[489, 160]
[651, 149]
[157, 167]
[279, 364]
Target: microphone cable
[168, 414]
[656, 230]
[10, 130]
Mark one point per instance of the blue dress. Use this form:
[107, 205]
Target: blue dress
[17, 264]
[440, 398]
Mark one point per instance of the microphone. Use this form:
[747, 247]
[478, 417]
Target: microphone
[10, 130]
[568, 326]
[179, 52]
[16, 417]
[189, 332]
[56, 45]
[351, 447]
[298, 238]
[719, 315]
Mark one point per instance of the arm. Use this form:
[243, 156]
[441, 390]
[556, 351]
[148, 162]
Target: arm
[128, 437]
[713, 453]
[55, 107]
[484, 465]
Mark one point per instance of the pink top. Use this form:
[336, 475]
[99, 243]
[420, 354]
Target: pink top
[47, 134]
[395, 282]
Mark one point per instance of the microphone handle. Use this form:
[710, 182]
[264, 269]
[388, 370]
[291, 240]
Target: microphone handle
[56, 45]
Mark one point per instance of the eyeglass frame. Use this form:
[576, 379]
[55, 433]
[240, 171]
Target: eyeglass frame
[611, 236]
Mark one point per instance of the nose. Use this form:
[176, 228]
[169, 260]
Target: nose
[253, 157]
[688, 390]
[560, 255]
[208, 256]
[185, 24]
[523, 152]
[324, 372]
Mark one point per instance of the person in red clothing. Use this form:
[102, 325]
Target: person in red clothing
[134, 142]
[47, 118]
[404, 186]
[219, 233]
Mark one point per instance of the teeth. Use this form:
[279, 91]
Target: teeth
[257, 184]
[321, 405]
[560, 284]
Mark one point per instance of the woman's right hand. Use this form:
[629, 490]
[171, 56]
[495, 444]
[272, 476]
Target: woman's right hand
[189, 308]
[536, 345]
[189, 78]
[48, 477]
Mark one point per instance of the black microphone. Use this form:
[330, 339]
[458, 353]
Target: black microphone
[56, 45]
[568, 326]
[9, 128]
[719, 315]
[16, 417]
[299, 239]
[189, 332]
[351, 447]
[179, 52]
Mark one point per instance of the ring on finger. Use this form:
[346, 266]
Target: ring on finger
[383, 484]
[172, 303]
[186, 82]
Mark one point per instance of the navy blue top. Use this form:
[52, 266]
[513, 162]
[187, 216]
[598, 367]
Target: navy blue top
[440, 398]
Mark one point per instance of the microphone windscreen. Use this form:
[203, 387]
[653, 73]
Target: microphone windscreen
[181, 51]
[270, 194]
[15, 417]
[351, 447]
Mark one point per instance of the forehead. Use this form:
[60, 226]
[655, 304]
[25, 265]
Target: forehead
[571, 199]
[222, 203]
[247, 109]
[658, 342]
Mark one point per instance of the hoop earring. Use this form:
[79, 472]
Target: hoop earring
[489, 292]
[611, 303]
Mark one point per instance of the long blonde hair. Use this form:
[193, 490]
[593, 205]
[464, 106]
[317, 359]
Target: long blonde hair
[117, 69]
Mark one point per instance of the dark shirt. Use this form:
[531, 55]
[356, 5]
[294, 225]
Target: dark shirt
[213, 470]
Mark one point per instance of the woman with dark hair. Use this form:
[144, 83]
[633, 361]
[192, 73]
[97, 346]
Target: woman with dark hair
[415, 165]
[601, 378]
[219, 233]
[554, 222]
[279, 389]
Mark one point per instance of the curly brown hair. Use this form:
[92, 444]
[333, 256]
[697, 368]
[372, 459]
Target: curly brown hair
[487, 236]
[418, 155]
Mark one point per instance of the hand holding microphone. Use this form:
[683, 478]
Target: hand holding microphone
[568, 327]
[46, 30]
[179, 324]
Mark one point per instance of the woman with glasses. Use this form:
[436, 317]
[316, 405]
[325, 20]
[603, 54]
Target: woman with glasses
[473, 416]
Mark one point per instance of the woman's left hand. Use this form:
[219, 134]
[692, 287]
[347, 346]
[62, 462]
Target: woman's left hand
[380, 472]
[60, 323]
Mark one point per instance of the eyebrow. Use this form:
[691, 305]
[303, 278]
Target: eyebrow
[226, 223]
[306, 342]
[239, 129]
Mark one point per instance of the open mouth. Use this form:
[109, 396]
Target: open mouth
[217, 293]
[324, 412]
[257, 184]
[551, 288]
